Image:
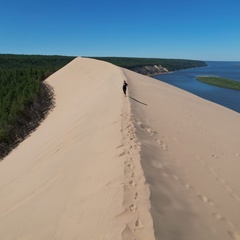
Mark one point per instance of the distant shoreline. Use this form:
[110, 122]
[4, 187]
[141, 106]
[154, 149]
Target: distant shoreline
[152, 64]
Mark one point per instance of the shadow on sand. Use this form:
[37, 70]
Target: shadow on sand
[138, 101]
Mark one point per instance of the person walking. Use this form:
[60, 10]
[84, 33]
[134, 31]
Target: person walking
[124, 87]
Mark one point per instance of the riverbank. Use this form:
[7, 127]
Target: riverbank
[106, 166]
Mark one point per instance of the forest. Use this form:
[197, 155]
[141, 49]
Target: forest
[25, 98]
[169, 64]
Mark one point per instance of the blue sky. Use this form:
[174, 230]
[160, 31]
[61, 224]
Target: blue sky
[187, 29]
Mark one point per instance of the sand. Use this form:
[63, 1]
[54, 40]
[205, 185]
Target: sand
[160, 163]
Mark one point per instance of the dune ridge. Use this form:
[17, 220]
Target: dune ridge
[136, 192]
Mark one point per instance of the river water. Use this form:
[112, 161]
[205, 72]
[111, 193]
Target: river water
[186, 80]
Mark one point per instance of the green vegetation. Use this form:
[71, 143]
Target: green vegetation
[39, 66]
[220, 82]
[25, 99]
[169, 64]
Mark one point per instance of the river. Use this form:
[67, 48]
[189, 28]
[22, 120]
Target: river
[186, 80]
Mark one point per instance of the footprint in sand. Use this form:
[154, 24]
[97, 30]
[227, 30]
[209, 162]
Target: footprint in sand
[235, 196]
[157, 164]
[233, 233]
[132, 184]
[154, 134]
[137, 196]
[138, 225]
[133, 207]
[143, 126]
[205, 200]
[151, 132]
[223, 182]
[187, 186]
[130, 166]
[163, 145]
[133, 175]
[218, 216]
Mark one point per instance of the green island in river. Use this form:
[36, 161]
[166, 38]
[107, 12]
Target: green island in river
[220, 82]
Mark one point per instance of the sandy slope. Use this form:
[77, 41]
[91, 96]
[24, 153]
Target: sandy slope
[68, 179]
[191, 159]
[89, 170]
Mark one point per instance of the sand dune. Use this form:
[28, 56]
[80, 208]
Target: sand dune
[190, 153]
[158, 164]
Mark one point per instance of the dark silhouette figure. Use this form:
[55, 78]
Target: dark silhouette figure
[124, 87]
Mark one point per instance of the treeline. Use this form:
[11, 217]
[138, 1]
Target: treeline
[39, 66]
[169, 64]
[25, 98]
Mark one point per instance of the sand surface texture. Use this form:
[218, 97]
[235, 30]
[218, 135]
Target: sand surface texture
[158, 164]
[190, 153]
